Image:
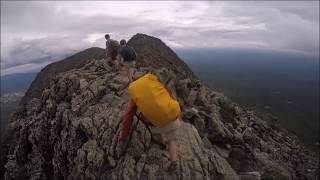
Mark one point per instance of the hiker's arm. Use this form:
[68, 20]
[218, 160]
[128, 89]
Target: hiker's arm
[135, 53]
[127, 120]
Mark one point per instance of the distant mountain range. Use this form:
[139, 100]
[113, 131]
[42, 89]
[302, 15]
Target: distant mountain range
[281, 85]
[16, 82]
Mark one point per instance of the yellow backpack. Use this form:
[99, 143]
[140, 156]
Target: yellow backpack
[153, 100]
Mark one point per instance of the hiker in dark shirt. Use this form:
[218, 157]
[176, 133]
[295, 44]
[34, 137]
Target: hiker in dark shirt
[127, 57]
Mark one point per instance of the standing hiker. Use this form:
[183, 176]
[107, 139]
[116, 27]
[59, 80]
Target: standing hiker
[158, 108]
[112, 47]
[127, 58]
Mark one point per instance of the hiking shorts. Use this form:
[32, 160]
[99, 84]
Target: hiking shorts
[169, 132]
[130, 63]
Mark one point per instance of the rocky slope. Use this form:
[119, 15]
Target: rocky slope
[76, 61]
[68, 130]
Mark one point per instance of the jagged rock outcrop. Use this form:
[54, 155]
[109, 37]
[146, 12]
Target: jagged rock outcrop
[75, 61]
[69, 130]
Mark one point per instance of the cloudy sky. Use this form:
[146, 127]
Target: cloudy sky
[34, 34]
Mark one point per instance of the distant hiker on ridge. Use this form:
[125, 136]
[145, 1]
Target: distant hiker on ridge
[112, 47]
[159, 109]
[127, 57]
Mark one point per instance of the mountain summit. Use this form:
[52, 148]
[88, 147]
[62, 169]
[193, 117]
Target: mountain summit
[66, 127]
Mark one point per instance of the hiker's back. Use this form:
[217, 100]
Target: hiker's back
[113, 44]
[112, 48]
[154, 101]
[128, 53]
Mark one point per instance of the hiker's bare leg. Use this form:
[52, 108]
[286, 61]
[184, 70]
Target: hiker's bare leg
[120, 60]
[172, 148]
[131, 73]
[117, 64]
[163, 139]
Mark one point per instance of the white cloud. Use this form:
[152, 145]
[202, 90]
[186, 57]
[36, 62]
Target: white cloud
[172, 44]
[91, 38]
[25, 68]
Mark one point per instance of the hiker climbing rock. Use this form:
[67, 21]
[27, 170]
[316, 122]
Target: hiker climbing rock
[112, 47]
[158, 108]
[127, 58]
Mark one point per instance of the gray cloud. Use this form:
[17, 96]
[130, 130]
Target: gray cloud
[41, 50]
[36, 33]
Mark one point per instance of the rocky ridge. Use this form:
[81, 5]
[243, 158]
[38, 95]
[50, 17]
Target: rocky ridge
[68, 131]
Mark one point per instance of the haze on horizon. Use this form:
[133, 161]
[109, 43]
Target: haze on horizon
[34, 34]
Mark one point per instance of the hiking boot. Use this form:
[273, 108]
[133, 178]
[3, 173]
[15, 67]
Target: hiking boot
[173, 167]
